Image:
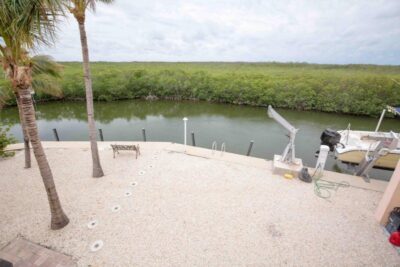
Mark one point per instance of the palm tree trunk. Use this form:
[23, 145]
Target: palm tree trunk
[24, 133]
[97, 170]
[58, 217]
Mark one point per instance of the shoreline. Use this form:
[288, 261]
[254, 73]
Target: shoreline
[388, 115]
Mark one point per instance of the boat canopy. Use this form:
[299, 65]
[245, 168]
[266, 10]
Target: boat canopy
[394, 110]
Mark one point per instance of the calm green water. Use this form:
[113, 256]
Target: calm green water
[234, 125]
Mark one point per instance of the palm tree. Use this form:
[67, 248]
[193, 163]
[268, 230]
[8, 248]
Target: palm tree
[44, 70]
[24, 24]
[24, 132]
[78, 9]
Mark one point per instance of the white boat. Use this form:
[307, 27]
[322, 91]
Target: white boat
[379, 149]
[354, 146]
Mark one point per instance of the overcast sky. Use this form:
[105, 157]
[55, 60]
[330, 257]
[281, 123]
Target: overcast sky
[318, 31]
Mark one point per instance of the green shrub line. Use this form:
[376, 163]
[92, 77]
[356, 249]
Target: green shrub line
[349, 89]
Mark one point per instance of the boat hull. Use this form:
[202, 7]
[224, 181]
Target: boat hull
[388, 161]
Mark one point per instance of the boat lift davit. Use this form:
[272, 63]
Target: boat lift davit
[287, 162]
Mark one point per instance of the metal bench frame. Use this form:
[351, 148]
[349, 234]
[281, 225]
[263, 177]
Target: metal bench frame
[117, 148]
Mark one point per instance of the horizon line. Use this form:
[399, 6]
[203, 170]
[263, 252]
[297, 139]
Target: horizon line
[238, 62]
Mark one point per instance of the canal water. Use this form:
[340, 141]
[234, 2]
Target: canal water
[233, 125]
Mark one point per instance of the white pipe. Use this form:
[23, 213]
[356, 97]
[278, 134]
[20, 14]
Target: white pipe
[184, 130]
[322, 157]
[380, 120]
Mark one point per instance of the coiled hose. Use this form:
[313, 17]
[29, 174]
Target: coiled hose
[324, 188]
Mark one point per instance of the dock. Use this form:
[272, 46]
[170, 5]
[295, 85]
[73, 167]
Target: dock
[189, 206]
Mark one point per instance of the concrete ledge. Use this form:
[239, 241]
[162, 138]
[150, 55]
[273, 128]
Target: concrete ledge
[354, 181]
[217, 155]
[82, 144]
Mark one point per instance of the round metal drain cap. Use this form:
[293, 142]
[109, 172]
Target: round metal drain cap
[128, 193]
[142, 172]
[92, 224]
[116, 208]
[96, 245]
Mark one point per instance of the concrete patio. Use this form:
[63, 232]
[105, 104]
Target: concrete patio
[190, 209]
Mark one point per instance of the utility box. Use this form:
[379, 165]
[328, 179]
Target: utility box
[393, 224]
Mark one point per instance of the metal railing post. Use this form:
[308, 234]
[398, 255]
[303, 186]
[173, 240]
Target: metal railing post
[380, 120]
[144, 134]
[101, 135]
[223, 149]
[56, 134]
[214, 147]
[250, 147]
[185, 131]
[193, 140]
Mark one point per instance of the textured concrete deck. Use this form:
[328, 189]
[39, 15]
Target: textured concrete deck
[191, 209]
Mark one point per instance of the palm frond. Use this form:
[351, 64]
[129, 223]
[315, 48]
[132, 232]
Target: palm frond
[46, 84]
[43, 64]
[91, 4]
[45, 73]
[45, 79]
[38, 19]
[25, 23]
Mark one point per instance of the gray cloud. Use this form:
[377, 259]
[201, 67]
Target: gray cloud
[353, 31]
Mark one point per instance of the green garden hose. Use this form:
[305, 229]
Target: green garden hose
[324, 188]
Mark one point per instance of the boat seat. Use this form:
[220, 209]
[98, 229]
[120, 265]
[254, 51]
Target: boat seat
[380, 136]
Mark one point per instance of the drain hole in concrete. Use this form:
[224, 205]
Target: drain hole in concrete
[97, 245]
[128, 193]
[133, 183]
[116, 208]
[92, 224]
[142, 172]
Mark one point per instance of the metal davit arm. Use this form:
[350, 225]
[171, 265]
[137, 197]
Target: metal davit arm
[372, 156]
[279, 119]
[288, 155]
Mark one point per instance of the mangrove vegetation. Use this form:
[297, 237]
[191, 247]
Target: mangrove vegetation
[350, 89]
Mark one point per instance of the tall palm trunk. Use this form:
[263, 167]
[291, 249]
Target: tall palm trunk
[58, 217]
[24, 133]
[97, 170]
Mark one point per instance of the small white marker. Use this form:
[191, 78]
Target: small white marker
[92, 224]
[96, 245]
[115, 208]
